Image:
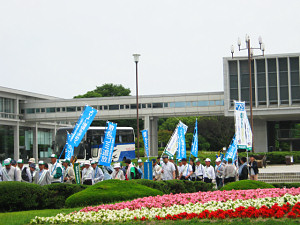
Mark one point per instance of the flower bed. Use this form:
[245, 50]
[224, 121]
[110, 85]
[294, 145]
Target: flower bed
[212, 205]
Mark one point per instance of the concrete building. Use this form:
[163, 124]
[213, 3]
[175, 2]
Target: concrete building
[276, 98]
[29, 120]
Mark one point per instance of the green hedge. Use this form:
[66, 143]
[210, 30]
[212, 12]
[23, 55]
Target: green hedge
[59, 192]
[176, 186]
[246, 185]
[110, 191]
[20, 196]
[286, 185]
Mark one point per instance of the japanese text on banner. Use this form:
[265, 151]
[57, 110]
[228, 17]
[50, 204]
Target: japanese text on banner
[108, 144]
[146, 141]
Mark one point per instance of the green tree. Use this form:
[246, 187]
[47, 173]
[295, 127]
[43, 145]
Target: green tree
[106, 90]
[163, 137]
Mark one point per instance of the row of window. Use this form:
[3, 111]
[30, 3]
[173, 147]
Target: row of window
[128, 106]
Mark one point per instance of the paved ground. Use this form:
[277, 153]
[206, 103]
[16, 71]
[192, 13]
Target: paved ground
[280, 169]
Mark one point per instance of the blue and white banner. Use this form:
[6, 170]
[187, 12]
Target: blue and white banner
[248, 134]
[148, 172]
[172, 146]
[181, 143]
[73, 140]
[82, 125]
[146, 142]
[232, 150]
[69, 148]
[194, 150]
[108, 144]
[240, 124]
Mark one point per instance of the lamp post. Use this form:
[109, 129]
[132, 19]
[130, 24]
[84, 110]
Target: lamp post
[250, 56]
[136, 60]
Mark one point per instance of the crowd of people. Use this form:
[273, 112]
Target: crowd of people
[164, 168]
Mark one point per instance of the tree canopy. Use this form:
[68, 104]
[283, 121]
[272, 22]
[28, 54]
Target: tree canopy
[106, 90]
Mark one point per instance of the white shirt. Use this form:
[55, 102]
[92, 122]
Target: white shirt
[168, 169]
[199, 170]
[180, 169]
[97, 174]
[187, 169]
[157, 172]
[9, 175]
[18, 174]
[209, 172]
[52, 173]
[87, 174]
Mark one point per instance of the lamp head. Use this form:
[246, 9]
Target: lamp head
[136, 57]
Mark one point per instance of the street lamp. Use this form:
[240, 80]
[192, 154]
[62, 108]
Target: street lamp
[250, 56]
[136, 60]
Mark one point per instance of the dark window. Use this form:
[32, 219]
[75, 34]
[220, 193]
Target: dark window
[113, 107]
[144, 106]
[30, 111]
[63, 109]
[121, 106]
[245, 83]
[295, 83]
[37, 110]
[71, 109]
[57, 109]
[233, 80]
[50, 110]
[272, 78]
[127, 106]
[283, 81]
[149, 105]
[158, 105]
[105, 107]
[100, 107]
[261, 81]
[42, 110]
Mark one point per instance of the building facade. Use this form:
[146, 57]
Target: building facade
[275, 98]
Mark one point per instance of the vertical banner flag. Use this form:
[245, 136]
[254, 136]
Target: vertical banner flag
[146, 141]
[194, 150]
[148, 173]
[181, 143]
[232, 150]
[73, 140]
[240, 129]
[248, 134]
[108, 144]
[172, 145]
[77, 173]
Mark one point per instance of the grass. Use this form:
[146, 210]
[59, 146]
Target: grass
[24, 217]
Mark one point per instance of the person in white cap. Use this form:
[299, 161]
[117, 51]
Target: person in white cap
[187, 171]
[87, 174]
[171, 159]
[156, 170]
[9, 172]
[140, 168]
[209, 172]
[97, 172]
[219, 170]
[43, 176]
[25, 172]
[199, 170]
[180, 167]
[68, 172]
[55, 169]
[117, 174]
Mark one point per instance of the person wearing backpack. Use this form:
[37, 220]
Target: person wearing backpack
[25, 172]
[140, 168]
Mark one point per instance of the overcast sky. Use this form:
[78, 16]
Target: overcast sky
[65, 48]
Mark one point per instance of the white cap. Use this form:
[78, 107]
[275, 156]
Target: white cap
[117, 165]
[94, 162]
[207, 160]
[140, 161]
[87, 163]
[32, 160]
[81, 164]
[41, 163]
[218, 159]
[6, 162]
[20, 161]
[90, 159]
[197, 160]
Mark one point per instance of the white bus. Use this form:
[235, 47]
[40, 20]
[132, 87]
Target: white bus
[91, 144]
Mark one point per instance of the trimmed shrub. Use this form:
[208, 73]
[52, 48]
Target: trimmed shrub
[176, 186]
[246, 185]
[286, 185]
[59, 192]
[110, 191]
[18, 196]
